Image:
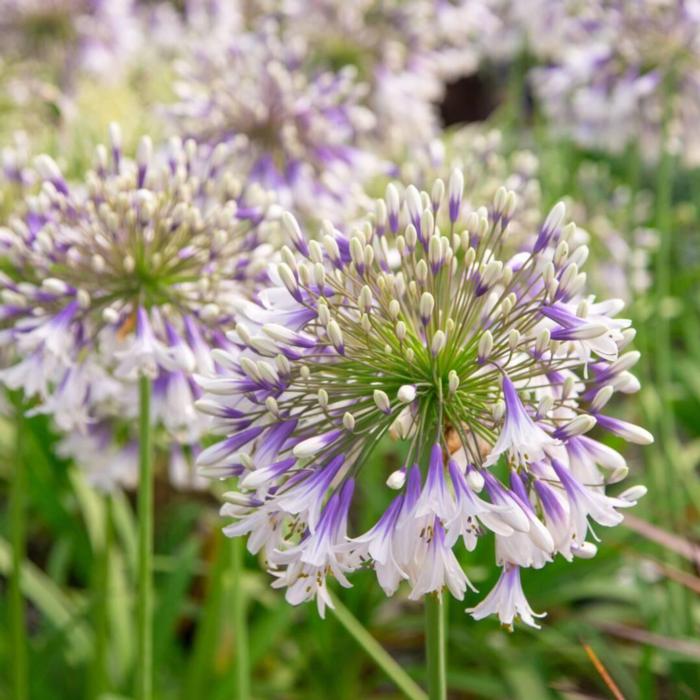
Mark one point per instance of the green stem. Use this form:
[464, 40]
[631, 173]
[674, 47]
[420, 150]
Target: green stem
[378, 654]
[99, 678]
[18, 520]
[663, 270]
[240, 627]
[663, 355]
[144, 676]
[435, 648]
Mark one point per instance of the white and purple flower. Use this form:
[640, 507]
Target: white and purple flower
[296, 130]
[456, 329]
[132, 272]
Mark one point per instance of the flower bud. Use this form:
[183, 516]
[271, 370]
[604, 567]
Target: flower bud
[349, 421]
[396, 479]
[407, 393]
[382, 401]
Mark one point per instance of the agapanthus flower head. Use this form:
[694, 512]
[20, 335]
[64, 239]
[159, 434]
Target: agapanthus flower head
[624, 74]
[449, 35]
[405, 51]
[435, 323]
[131, 272]
[300, 129]
[97, 36]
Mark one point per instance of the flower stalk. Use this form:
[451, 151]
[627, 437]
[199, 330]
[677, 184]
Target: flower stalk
[18, 518]
[242, 661]
[99, 682]
[435, 646]
[144, 677]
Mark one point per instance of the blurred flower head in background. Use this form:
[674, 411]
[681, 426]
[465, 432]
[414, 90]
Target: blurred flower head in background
[295, 129]
[133, 271]
[624, 74]
[98, 36]
[405, 64]
[471, 339]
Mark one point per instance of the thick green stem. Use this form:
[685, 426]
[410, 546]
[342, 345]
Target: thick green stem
[100, 591]
[144, 661]
[18, 520]
[377, 653]
[240, 627]
[435, 647]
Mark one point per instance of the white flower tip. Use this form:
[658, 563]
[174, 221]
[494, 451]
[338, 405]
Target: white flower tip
[47, 167]
[54, 286]
[300, 451]
[254, 479]
[426, 306]
[586, 551]
[382, 401]
[580, 425]
[310, 446]
[407, 393]
[392, 197]
[236, 498]
[115, 134]
[291, 224]
[516, 518]
[452, 381]
[349, 422]
[645, 437]
[555, 216]
[475, 481]
[634, 493]
[636, 434]
[396, 479]
[144, 151]
[438, 343]
[456, 183]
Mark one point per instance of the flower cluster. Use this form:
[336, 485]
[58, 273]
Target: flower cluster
[133, 271]
[94, 36]
[482, 155]
[623, 72]
[446, 326]
[406, 51]
[450, 36]
[603, 209]
[296, 130]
